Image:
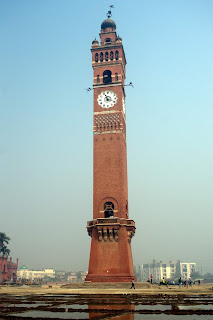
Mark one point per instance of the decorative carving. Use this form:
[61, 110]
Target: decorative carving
[129, 236]
[110, 234]
[89, 232]
[108, 228]
[105, 234]
[108, 122]
[99, 235]
[116, 235]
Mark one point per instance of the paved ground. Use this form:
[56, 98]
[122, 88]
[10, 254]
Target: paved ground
[107, 288]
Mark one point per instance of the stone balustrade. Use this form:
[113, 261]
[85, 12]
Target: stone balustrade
[108, 228]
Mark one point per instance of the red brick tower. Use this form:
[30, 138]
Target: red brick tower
[111, 229]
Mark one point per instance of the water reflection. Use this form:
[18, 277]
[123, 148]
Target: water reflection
[115, 307]
[114, 311]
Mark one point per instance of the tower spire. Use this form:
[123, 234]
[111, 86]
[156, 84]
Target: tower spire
[109, 13]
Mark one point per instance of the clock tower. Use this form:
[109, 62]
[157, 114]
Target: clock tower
[111, 230]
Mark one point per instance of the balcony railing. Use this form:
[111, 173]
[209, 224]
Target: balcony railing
[110, 221]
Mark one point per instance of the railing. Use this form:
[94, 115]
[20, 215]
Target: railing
[107, 221]
[130, 222]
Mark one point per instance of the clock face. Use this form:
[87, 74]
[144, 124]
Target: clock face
[124, 107]
[107, 99]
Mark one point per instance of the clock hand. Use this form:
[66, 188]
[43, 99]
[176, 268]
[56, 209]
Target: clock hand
[108, 98]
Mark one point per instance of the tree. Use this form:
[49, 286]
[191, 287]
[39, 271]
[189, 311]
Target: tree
[4, 239]
[79, 277]
[176, 275]
[5, 252]
[195, 275]
[208, 275]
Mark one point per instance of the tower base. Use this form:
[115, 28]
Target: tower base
[99, 278]
[111, 254]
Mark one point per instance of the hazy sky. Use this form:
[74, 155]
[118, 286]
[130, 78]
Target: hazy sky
[46, 128]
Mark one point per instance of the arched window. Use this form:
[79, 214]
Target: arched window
[111, 55]
[106, 56]
[107, 76]
[116, 55]
[116, 77]
[4, 268]
[98, 78]
[108, 209]
[96, 57]
[101, 57]
[108, 40]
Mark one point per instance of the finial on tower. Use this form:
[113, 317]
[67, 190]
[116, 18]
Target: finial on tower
[108, 23]
[109, 13]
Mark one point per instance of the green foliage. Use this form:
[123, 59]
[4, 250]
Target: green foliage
[176, 275]
[195, 275]
[4, 239]
[208, 275]
[78, 274]
[5, 252]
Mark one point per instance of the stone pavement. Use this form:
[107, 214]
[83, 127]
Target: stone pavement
[106, 288]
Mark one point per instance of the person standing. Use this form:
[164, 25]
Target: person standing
[151, 279]
[133, 284]
[179, 282]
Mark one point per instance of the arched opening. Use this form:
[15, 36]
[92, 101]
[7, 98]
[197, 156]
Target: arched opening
[4, 268]
[101, 57]
[106, 56]
[96, 57]
[107, 76]
[108, 209]
[107, 41]
[116, 55]
[111, 55]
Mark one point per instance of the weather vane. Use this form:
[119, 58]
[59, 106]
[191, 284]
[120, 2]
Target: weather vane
[125, 85]
[130, 84]
[109, 13]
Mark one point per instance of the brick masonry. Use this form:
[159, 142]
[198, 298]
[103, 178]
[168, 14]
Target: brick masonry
[110, 255]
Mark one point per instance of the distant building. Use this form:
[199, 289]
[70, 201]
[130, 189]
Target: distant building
[159, 270]
[25, 273]
[78, 276]
[167, 270]
[60, 276]
[8, 269]
[137, 270]
[186, 269]
[72, 277]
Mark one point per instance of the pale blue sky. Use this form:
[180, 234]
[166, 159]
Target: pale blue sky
[46, 128]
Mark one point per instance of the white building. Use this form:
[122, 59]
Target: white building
[25, 273]
[167, 270]
[159, 270]
[186, 269]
